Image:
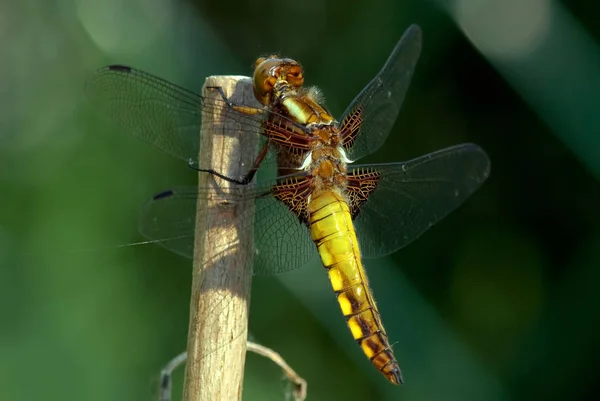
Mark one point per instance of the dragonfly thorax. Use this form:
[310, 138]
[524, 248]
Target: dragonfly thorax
[327, 167]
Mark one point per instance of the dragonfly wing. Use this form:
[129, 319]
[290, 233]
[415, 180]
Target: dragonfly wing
[281, 241]
[169, 117]
[169, 219]
[378, 104]
[412, 196]
[154, 110]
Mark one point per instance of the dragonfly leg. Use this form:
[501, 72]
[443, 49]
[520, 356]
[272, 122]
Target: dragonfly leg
[194, 166]
[257, 162]
[249, 110]
[238, 107]
[248, 177]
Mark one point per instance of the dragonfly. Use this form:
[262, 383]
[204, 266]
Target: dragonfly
[321, 204]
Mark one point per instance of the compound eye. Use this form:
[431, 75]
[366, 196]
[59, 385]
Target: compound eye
[259, 61]
[295, 75]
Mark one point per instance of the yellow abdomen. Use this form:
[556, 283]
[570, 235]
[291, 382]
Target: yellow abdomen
[332, 231]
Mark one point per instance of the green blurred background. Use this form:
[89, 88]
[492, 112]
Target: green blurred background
[496, 302]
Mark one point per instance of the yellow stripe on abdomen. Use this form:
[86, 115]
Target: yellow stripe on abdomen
[332, 231]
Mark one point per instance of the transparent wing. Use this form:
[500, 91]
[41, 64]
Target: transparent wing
[412, 196]
[380, 101]
[281, 242]
[163, 114]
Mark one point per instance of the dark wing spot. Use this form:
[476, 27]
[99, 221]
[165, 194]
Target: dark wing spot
[117, 67]
[164, 194]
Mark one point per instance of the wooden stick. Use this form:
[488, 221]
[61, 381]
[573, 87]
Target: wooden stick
[223, 252]
[300, 385]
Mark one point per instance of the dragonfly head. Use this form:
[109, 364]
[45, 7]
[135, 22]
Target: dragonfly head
[270, 70]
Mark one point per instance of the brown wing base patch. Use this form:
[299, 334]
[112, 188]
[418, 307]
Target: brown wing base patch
[288, 136]
[361, 183]
[350, 127]
[294, 193]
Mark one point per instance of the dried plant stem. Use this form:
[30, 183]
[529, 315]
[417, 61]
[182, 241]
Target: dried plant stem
[300, 385]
